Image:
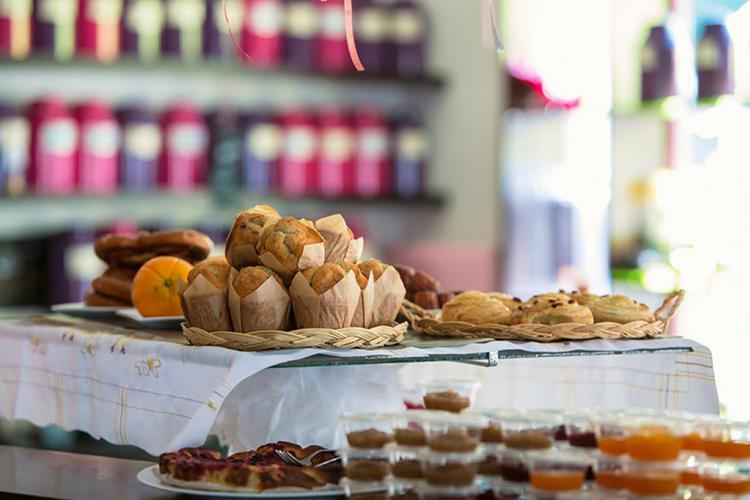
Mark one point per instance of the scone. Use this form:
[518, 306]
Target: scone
[215, 270]
[476, 308]
[258, 300]
[204, 299]
[583, 297]
[620, 309]
[553, 313]
[288, 245]
[244, 237]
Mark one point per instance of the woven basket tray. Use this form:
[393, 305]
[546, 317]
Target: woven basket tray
[344, 338]
[426, 323]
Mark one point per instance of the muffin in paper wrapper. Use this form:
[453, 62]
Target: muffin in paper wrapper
[339, 244]
[388, 297]
[333, 309]
[246, 255]
[205, 307]
[364, 312]
[313, 254]
[267, 308]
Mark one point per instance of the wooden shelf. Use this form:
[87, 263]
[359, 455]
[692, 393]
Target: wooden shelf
[31, 216]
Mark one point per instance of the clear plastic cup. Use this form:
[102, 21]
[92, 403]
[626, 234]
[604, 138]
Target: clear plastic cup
[514, 466]
[402, 490]
[653, 440]
[727, 439]
[725, 477]
[405, 462]
[427, 491]
[651, 478]
[556, 471]
[450, 469]
[454, 433]
[580, 428]
[493, 455]
[608, 472]
[409, 426]
[365, 465]
[530, 431]
[363, 490]
[611, 434]
[449, 395]
[368, 430]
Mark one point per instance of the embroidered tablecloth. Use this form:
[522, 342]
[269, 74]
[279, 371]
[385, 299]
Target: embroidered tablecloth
[155, 391]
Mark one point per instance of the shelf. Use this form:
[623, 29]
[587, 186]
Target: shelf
[36, 216]
[206, 82]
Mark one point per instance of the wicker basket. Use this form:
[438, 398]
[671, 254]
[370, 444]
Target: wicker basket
[426, 323]
[344, 338]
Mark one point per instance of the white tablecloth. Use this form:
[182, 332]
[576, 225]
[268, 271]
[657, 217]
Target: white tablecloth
[155, 392]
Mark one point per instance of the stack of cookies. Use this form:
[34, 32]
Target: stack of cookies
[125, 254]
[281, 272]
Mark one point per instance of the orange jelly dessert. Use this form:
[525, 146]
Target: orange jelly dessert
[726, 449]
[557, 480]
[653, 442]
[612, 480]
[729, 484]
[652, 483]
[692, 442]
[690, 477]
[611, 445]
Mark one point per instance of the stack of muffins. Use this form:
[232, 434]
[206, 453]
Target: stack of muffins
[280, 273]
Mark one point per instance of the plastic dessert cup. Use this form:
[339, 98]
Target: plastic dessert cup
[427, 491]
[727, 440]
[532, 431]
[365, 466]
[725, 477]
[449, 395]
[364, 490]
[580, 429]
[610, 434]
[652, 478]
[514, 466]
[454, 433]
[450, 469]
[409, 426]
[653, 440]
[608, 472]
[405, 462]
[493, 455]
[554, 470]
[367, 431]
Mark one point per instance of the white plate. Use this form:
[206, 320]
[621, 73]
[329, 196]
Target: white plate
[150, 477]
[157, 322]
[82, 310]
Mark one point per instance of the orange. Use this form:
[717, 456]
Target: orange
[157, 284]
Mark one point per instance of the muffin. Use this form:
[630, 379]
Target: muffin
[389, 291]
[340, 244]
[363, 314]
[325, 296]
[214, 269]
[288, 245]
[258, 300]
[374, 267]
[244, 237]
[204, 299]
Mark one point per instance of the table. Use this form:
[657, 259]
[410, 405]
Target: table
[153, 390]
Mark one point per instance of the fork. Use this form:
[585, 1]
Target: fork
[290, 459]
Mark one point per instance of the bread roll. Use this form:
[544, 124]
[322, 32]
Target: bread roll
[476, 308]
[584, 298]
[620, 309]
[510, 301]
[283, 242]
[251, 278]
[215, 269]
[553, 313]
[323, 278]
[244, 237]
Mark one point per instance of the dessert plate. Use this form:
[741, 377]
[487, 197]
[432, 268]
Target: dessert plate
[150, 477]
[156, 322]
[82, 310]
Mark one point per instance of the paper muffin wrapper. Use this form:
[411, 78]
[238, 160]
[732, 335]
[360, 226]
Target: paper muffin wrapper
[363, 313]
[204, 306]
[389, 293]
[338, 244]
[313, 255]
[334, 308]
[267, 308]
[240, 256]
